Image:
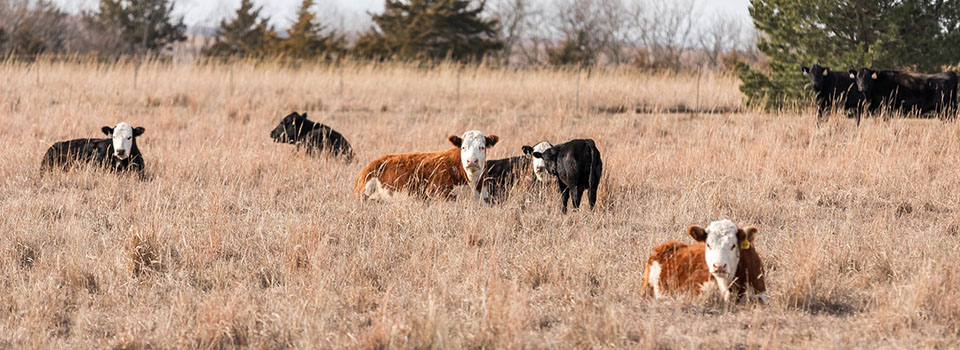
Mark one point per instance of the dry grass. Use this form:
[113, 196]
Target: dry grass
[233, 241]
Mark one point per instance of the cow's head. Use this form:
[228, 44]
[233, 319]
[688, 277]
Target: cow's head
[817, 75]
[290, 128]
[123, 136]
[723, 243]
[866, 77]
[473, 151]
[539, 166]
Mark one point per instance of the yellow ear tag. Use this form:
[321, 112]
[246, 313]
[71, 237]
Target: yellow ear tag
[745, 244]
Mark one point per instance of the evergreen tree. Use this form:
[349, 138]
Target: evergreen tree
[141, 24]
[306, 38]
[248, 34]
[433, 29]
[844, 34]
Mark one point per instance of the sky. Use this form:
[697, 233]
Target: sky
[351, 13]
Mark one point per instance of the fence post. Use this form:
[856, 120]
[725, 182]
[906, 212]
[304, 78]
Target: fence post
[36, 64]
[579, 67]
[696, 110]
[136, 70]
[230, 73]
[458, 83]
[341, 78]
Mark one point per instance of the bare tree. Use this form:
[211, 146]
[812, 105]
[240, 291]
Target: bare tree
[723, 35]
[664, 29]
[588, 29]
[513, 15]
[31, 27]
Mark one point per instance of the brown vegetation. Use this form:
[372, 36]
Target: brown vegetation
[265, 247]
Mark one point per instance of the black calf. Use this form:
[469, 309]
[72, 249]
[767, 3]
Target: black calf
[577, 166]
[315, 137]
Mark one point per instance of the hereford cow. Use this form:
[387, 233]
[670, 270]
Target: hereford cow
[577, 166]
[833, 90]
[314, 137]
[117, 153]
[724, 255]
[907, 92]
[432, 174]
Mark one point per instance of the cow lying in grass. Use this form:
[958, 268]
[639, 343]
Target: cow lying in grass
[503, 174]
[314, 137]
[724, 255]
[431, 174]
[117, 153]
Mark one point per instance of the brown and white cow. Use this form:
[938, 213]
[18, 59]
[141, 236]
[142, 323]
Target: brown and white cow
[724, 255]
[431, 174]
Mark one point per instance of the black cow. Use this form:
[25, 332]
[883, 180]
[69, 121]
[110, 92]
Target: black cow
[315, 137]
[833, 90]
[577, 166]
[501, 175]
[117, 153]
[908, 92]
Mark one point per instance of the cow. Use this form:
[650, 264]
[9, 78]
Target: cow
[296, 129]
[503, 174]
[577, 167]
[724, 256]
[833, 89]
[117, 153]
[907, 92]
[431, 174]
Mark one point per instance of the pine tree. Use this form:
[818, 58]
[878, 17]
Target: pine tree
[141, 24]
[306, 38]
[431, 29]
[844, 34]
[248, 34]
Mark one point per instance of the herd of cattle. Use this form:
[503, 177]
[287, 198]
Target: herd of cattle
[722, 257]
[870, 90]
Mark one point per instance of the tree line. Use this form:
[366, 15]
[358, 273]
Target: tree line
[654, 34]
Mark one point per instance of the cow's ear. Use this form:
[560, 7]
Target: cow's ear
[137, 131]
[107, 130]
[698, 233]
[751, 233]
[527, 150]
[805, 70]
[455, 140]
[304, 116]
[492, 140]
[537, 155]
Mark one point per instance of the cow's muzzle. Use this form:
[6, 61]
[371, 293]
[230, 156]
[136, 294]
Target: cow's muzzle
[120, 153]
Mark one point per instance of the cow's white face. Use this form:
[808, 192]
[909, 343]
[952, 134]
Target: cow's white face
[722, 252]
[473, 152]
[122, 136]
[539, 167]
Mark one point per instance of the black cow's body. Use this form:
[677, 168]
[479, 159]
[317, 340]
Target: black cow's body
[577, 166]
[833, 90]
[98, 152]
[502, 174]
[315, 137]
[908, 92]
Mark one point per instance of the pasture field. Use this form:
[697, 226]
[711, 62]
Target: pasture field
[233, 241]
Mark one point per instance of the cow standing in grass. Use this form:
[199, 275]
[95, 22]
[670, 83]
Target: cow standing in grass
[724, 256]
[908, 92]
[314, 137]
[117, 153]
[577, 166]
[833, 90]
[431, 174]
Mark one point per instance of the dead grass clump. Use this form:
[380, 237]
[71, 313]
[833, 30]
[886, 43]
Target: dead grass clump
[26, 255]
[80, 280]
[938, 296]
[144, 254]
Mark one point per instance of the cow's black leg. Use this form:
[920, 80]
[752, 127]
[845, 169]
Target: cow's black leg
[577, 196]
[564, 196]
[592, 195]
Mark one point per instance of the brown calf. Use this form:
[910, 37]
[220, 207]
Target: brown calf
[722, 247]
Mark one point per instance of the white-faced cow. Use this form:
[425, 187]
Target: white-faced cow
[117, 153]
[431, 174]
[577, 166]
[907, 92]
[724, 256]
[314, 137]
[833, 89]
[503, 174]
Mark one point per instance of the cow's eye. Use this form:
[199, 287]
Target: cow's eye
[708, 246]
[129, 137]
[733, 246]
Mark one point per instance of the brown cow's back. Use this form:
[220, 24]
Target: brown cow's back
[429, 174]
[682, 267]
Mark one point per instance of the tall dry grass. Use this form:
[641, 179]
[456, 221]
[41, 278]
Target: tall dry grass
[233, 241]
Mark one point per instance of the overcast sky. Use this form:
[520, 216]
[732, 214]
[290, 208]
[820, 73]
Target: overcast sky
[351, 12]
